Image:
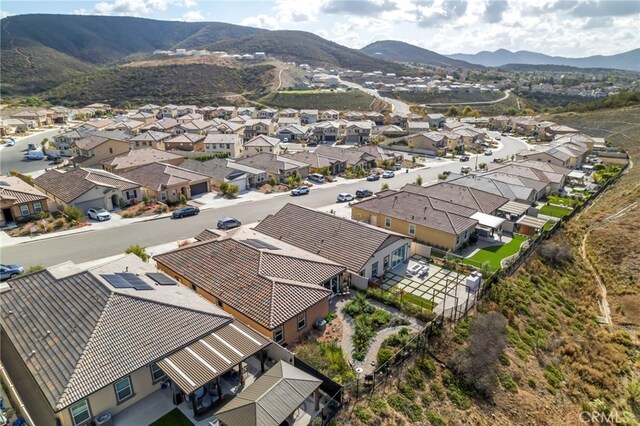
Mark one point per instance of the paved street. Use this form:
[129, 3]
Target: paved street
[95, 244]
[399, 107]
[13, 157]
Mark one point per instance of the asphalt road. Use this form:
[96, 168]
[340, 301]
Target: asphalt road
[13, 157]
[399, 107]
[92, 245]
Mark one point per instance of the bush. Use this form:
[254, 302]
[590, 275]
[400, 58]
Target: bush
[380, 318]
[379, 406]
[272, 181]
[406, 390]
[59, 223]
[139, 251]
[442, 176]
[126, 214]
[33, 268]
[438, 391]
[508, 383]
[183, 199]
[122, 203]
[414, 412]
[363, 414]
[384, 355]
[74, 213]
[426, 365]
[146, 200]
[555, 253]
[415, 378]
[397, 402]
[554, 376]
[435, 419]
[533, 383]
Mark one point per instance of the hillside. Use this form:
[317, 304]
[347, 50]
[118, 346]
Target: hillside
[397, 51]
[200, 84]
[625, 61]
[350, 100]
[303, 47]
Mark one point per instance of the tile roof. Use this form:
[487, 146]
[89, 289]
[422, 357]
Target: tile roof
[187, 138]
[158, 176]
[311, 158]
[71, 185]
[217, 168]
[139, 157]
[232, 138]
[262, 140]
[265, 285]
[15, 189]
[350, 155]
[340, 240]
[482, 201]
[152, 135]
[271, 163]
[77, 334]
[93, 141]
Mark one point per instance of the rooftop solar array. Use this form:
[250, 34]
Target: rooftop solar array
[116, 281]
[259, 244]
[135, 281]
[161, 278]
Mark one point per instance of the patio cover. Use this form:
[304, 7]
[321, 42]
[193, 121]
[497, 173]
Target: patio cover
[487, 220]
[576, 174]
[269, 400]
[514, 208]
[532, 222]
[201, 362]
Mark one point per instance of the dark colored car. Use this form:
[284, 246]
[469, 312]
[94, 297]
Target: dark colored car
[446, 172]
[228, 223]
[52, 157]
[371, 178]
[363, 193]
[464, 158]
[186, 211]
[31, 147]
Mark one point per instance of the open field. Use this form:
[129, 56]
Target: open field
[427, 98]
[353, 99]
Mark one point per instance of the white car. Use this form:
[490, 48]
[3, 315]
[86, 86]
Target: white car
[344, 197]
[98, 214]
[11, 142]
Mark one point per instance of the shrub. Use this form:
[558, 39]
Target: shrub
[442, 176]
[272, 181]
[426, 365]
[554, 376]
[74, 213]
[415, 378]
[555, 253]
[533, 383]
[426, 399]
[380, 318]
[406, 390]
[139, 251]
[379, 406]
[419, 180]
[224, 186]
[183, 199]
[146, 201]
[438, 391]
[504, 359]
[384, 355]
[435, 419]
[363, 414]
[508, 383]
[126, 214]
[122, 203]
[33, 268]
[59, 223]
[397, 402]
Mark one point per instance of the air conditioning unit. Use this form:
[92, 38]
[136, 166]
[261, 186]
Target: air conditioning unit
[103, 419]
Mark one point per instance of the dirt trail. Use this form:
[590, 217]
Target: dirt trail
[14, 47]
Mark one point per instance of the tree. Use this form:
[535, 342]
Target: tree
[139, 251]
[419, 180]
[485, 269]
[74, 213]
[467, 110]
[384, 187]
[183, 199]
[454, 111]
[272, 181]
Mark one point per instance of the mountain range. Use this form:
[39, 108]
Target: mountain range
[398, 51]
[629, 61]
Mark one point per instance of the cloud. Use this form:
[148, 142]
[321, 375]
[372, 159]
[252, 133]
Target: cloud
[494, 10]
[136, 7]
[436, 14]
[193, 16]
[261, 21]
[4, 14]
[359, 7]
[606, 8]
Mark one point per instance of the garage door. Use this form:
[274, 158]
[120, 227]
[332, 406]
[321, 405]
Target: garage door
[241, 182]
[86, 205]
[199, 188]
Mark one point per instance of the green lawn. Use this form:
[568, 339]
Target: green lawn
[495, 254]
[563, 201]
[172, 418]
[547, 226]
[419, 301]
[555, 211]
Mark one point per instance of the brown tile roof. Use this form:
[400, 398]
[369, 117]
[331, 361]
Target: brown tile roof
[187, 138]
[158, 176]
[482, 201]
[272, 163]
[77, 334]
[152, 136]
[351, 156]
[18, 191]
[139, 157]
[343, 241]
[70, 185]
[421, 210]
[93, 141]
[262, 284]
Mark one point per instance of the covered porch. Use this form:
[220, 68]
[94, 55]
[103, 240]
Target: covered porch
[487, 224]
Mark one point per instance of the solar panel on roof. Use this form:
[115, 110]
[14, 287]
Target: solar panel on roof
[161, 278]
[135, 281]
[116, 281]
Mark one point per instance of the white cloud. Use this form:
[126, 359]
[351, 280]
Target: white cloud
[4, 14]
[137, 7]
[261, 21]
[193, 16]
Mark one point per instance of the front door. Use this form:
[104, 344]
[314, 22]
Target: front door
[8, 216]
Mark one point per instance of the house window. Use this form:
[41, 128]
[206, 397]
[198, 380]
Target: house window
[163, 196]
[302, 320]
[278, 334]
[37, 207]
[412, 229]
[24, 210]
[465, 234]
[173, 192]
[131, 194]
[220, 303]
[80, 413]
[457, 239]
[385, 263]
[387, 222]
[374, 269]
[156, 373]
[123, 388]
[228, 146]
[110, 150]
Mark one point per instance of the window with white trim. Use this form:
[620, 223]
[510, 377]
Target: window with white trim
[374, 270]
[24, 210]
[278, 334]
[412, 229]
[302, 320]
[156, 373]
[80, 413]
[37, 207]
[124, 390]
[387, 222]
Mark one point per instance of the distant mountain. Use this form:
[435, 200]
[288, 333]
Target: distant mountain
[629, 61]
[304, 47]
[399, 51]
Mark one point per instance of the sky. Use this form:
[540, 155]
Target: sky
[572, 28]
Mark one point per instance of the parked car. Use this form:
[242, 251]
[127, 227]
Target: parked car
[388, 175]
[52, 157]
[317, 177]
[498, 138]
[503, 134]
[446, 172]
[312, 144]
[465, 169]
[464, 158]
[186, 211]
[35, 155]
[10, 271]
[344, 197]
[301, 190]
[398, 166]
[363, 193]
[228, 223]
[31, 147]
[488, 152]
[11, 142]
[371, 178]
[98, 214]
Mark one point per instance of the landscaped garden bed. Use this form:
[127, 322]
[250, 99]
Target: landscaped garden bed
[48, 223]
[144, 209]
[326, 358]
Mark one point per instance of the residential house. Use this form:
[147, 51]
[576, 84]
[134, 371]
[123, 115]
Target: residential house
[10, 126]
[225, 112]
[169, 111]
[267, 284]
[559, 130]
[261, 144]
[63, 142]
[284, 121]
[289, 112]
[186, 118]
[381, 154]
[277, 167]
[366, 251]
[185, 142]
[100, 108]
[390, 131]
[376, 117]
[151, 139]
[92, 150]
[293, 132]
[329, 115]
[500, 123]
[164, 125]
[359, 132]
[139, 157]
[353, 116]
[513, 191]
[352, 156]
[436, 120]
[396, 119]
[228, 127]
[129, 341]
[435, 143]
[418, 127]
[231, 144]
[326, 131]
[19, 201]
[195, 126]
[150, 109]
[223, 170]
[249, 112]
[308, 116]
[38, 118]
[544, 177]
[255, 127]
[550, 155]
[266, 114]
[88, 188]
[167, 183]
[318, 162]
